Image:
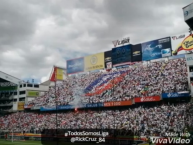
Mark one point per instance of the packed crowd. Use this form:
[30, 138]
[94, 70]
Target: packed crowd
[120, 84]
[144, 121]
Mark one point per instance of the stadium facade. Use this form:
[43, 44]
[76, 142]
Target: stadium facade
[14, 92]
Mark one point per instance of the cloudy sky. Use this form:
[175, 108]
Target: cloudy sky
[36, 34]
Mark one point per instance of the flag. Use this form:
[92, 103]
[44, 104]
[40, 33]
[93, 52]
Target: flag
[53, 78]
[63, 122]
[57, 74]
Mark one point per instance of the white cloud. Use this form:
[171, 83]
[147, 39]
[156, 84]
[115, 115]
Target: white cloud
[36, 35]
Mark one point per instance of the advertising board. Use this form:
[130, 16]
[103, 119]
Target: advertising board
[118, 103]
[121, 55]
[136, 53]
[181, 43]
[94, 62]
[147, 99]
[75, 65]
[32, 93]
[108, 59]
[47, 108]
[26, 106]
[156, 49]
[20, 106]
[175, 95]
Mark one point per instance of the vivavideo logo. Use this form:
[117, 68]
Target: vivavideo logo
[170, 141]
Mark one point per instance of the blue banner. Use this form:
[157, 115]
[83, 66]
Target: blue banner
[75, 65]
[47, 108]
[177, 56]
[65, 107]
[175, 95]
[94, 105]
[68, 107]
[156, 49]
[121, 54]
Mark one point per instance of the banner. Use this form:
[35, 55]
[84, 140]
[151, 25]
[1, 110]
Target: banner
[57, 74]
[20, 106]
[75, 65]
[27, 106]
[8, 89]
[105, 82]
[118, 103]
[182, 43]
[65, 107]
[177, 56]
[136, 53]
[94, 62]
[189, 59]
[108, 59]
[147, 99]
[48, 108]
[156, 49]
[35, 108]
[121, 55]
[175, 95]
[94, 105]
[68, 107]
[32, 93]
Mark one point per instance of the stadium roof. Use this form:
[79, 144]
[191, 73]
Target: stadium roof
[46, 83]
[9, 78]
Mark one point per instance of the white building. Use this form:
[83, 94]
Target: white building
[14, 93]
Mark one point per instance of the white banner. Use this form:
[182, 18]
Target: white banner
[181, 43]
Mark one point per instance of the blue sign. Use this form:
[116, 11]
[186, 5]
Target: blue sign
[175, 95]
[75, 65]
[47, 108]
[121, 54]
[177, 56]
[94, 105]
[65, 107]
[68, 107]
[166, 52]
[156, 49]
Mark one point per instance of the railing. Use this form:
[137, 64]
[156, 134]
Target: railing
[9, 104]
[7, 98]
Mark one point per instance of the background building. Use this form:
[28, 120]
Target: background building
[14, 93]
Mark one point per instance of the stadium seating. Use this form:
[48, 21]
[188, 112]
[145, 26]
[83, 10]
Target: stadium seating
[121, 84]
[142, 120]
[137, 80]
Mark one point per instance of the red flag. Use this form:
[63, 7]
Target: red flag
[63, 122]
[53, 76]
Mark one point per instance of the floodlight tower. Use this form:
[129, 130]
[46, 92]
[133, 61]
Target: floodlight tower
[188, 16]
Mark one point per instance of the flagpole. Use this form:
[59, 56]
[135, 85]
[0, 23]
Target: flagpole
[56, 103]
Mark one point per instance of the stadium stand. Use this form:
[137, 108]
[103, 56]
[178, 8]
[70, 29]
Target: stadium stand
[144, 121]
[138, 80]
[134, 81]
